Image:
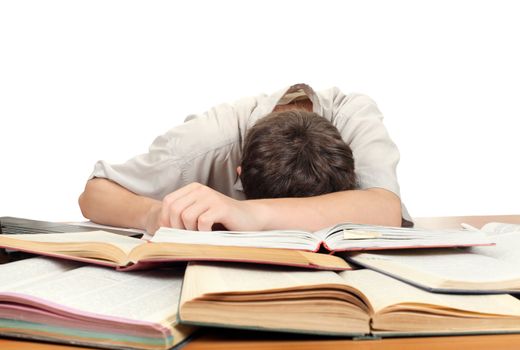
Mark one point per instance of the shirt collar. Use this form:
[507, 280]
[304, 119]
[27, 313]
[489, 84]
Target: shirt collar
[284, 96]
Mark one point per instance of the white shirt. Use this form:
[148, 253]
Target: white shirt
[207, 148]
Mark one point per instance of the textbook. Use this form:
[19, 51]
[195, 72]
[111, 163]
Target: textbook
[356, 303]
[492, 269]
[67, 302]
[128, 253]
[342, 237]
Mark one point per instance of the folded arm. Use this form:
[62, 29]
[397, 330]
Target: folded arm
[198, 207]
[108, 203]
[375, 206]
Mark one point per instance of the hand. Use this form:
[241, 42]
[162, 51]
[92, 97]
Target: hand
[198, 207]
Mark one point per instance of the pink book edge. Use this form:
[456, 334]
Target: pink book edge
[65, 256]
[59, 309]
[145, 263]
[411, 247]
[154, 262]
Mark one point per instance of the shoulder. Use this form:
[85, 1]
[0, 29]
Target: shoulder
[220, 126]
[342, 109]
[334, 98]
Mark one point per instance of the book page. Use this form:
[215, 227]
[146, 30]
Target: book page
[384, 292]
[261, 297]
[359, 237]
[142, 296]
[443, 268]
[262, 239]
[493, 228]
[124, 243]
[506, 249]
[239, 278]
[99, 227]
[30, 271]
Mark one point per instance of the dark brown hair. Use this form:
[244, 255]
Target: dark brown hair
[295, 154]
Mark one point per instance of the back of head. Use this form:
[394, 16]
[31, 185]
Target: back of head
[295, 154]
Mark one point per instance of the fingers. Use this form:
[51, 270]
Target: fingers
[191, 215]
[175, 210]
[175, 203]
[198, 207]
[184, 207]
[207, 219]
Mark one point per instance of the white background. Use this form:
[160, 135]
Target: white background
[89, 80]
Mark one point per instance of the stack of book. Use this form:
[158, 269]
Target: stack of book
[445, 282]
[65, 301]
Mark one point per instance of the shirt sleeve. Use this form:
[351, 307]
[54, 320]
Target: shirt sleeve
[376, 156]
[151, 174]
[205, 149]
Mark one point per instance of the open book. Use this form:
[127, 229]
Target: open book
[342, 237]
[353, 303]
[491, 269]
[127, 253]
[63, 301]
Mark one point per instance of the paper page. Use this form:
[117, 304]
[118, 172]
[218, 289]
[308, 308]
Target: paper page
[272, 298]
[102, 227]
[142, 296]
[356, 236]
[392, 231]
[123, 242]
[384, 291]
[261, 239]
[494, 228]
[223, 278]
[30, 271]
[437, 267]
[322, 234]
[507, 248]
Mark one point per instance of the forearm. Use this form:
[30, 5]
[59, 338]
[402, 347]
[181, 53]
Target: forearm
[105, 202]
[371, 206]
